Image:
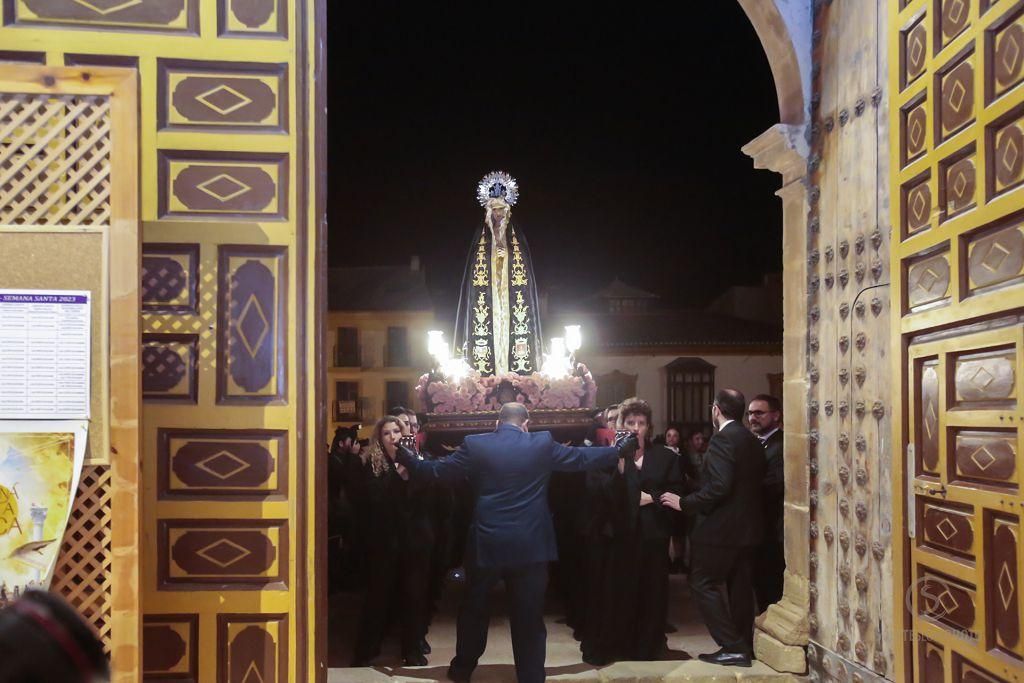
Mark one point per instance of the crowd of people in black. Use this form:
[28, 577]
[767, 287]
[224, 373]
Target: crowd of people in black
[620, 530]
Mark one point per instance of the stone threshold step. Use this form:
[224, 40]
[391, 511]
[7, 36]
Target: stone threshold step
[633, 672]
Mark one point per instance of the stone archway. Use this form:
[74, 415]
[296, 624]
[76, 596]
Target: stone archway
[784, 28]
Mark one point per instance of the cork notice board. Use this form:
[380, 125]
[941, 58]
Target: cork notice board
[70, 260]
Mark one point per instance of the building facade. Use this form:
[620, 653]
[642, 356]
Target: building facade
[377, 326]
[673, 358]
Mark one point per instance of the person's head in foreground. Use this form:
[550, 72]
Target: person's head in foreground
[43, 640]
[764, 414]
[514, 414]
[635, 416]
[384, 442]
[729, 405]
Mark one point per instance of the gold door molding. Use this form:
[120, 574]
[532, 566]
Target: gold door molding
[957, 170]
[231, 233]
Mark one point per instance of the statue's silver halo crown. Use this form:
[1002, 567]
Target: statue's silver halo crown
[497, 184]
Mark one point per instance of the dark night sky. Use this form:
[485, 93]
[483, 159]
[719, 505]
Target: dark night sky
[622, 124]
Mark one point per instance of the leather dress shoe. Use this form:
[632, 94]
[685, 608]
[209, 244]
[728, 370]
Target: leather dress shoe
[415, 659]
[724, 658]
[458, 673]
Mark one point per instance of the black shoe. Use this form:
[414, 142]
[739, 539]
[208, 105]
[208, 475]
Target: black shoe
[458, 674]
[596, 660]
[424, 646]
[724, 658]
[708, 656]
[415, 659]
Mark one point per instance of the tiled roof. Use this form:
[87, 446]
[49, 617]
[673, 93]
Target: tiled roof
[670, 329]
[620, 290]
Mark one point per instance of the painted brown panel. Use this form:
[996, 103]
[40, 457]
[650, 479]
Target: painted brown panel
[1003, 583]
[252, 18]
[252, 647]
[958, 185]
[995, 257]
[956, 96]
[251, 353]
[915, 51]
[928, 280]
[947, 601]
[170, 367]
[954, 19]
[918, 207]
[948, 527]
[987, 456]
[930, 660]
[22, 57]
[150, 15]
[222, 463]
[915, 131]
[1005, 141]
[223, 96]
[83, 59]
[170, 278]
[1005, 49]
[222, 185]
[929, 402]
[967, 671]
[987, 377]
[235, 554]
[170, 649]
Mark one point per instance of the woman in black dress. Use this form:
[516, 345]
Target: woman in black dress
[626, 617]
[399, 538]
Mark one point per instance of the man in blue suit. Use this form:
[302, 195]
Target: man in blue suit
[511, 537]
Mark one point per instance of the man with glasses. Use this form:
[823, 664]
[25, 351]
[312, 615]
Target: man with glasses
[765, 417]
[727, 530]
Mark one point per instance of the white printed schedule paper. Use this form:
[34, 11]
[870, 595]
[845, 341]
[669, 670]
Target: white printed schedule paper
[44, 354]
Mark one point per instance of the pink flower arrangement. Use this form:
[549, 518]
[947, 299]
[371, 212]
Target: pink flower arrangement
[475, 393]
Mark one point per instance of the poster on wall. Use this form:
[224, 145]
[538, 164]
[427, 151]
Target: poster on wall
[40, 464]
[44, 354]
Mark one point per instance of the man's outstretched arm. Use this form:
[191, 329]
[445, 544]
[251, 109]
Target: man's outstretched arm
[581, 459]
[449, 468]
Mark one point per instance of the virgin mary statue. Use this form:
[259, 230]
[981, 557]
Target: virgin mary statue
[497, 325]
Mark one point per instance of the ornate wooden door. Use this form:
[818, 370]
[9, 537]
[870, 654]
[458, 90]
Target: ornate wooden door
[957, 160]
[228, 318]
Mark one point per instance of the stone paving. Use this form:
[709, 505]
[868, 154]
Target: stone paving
[563, 658]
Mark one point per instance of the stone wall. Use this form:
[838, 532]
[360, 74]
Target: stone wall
[834, 194]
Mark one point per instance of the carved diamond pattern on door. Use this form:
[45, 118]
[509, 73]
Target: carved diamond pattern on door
[958, 337]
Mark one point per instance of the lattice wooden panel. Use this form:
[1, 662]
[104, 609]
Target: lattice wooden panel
[82, 574]
[54, 159]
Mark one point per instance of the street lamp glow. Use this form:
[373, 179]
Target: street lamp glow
[457, 369]
[434, 340]
[557, 347]
[573, 338]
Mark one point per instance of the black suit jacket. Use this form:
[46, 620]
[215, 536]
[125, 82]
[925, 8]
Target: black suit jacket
[510, 469]
[658, 473]
[774, 489]
[728, 504]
